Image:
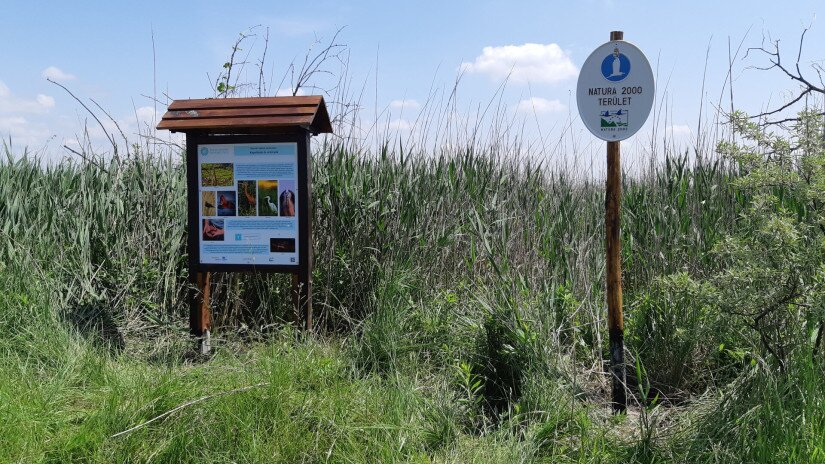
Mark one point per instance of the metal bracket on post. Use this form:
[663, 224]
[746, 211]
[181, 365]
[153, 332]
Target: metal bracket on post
[205, 343]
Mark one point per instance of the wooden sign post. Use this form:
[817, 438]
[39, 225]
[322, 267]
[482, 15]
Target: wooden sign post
[614, 95]
[613, 251]
[249, 193]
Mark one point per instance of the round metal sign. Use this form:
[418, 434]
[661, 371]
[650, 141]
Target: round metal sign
[615, 91]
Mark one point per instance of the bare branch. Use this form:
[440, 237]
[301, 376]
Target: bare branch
[784, 121]
[156, 100]
[86, 158]
[261, 63]
[783, 107]
[312, 65]
[799, 53]
[223, 86]
[163, 142]
[794, 73]
[102, 127]
[125, 140]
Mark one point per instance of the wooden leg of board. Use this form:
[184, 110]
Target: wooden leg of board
[302, 300]
[296, 300]
[306, 285]
[200, 313]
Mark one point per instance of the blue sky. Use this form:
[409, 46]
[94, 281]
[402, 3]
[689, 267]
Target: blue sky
[400, 55]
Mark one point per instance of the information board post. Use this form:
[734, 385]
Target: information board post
[200, 313]
[200, 283]
[302, 279]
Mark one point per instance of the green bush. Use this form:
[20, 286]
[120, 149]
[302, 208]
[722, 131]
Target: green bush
[676, 329]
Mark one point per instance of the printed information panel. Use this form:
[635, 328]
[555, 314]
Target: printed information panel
[615, 91]
[248, 195]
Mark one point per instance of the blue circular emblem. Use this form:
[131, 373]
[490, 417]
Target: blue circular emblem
[616, 66]
[204, 151]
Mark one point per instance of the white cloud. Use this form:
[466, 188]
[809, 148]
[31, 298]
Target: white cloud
[540, 106]
[530, 62]
[15, 122]
[8, 123]
[287, 92]
[71, 142]
[399, 125]
[405, 104]
[679, 129]
[22, 132]
[45, 101]
[56, 74]
[10, 104]
[146, 116]
[99, 134]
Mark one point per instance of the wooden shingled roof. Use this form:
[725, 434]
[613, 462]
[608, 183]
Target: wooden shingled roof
[247, 115]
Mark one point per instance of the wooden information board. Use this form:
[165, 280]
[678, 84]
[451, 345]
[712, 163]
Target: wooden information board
[249, 192]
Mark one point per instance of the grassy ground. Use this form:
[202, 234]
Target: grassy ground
[461, 320]
[64, 396]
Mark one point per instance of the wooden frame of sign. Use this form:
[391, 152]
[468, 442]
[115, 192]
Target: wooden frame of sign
[257, 143]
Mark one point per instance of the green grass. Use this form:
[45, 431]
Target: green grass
[64, 397]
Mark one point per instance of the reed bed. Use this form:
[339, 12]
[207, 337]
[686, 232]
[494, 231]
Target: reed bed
[461, 316]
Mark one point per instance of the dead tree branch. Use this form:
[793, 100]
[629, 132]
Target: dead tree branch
[792, 71]
[99, 122]
[313, 64]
